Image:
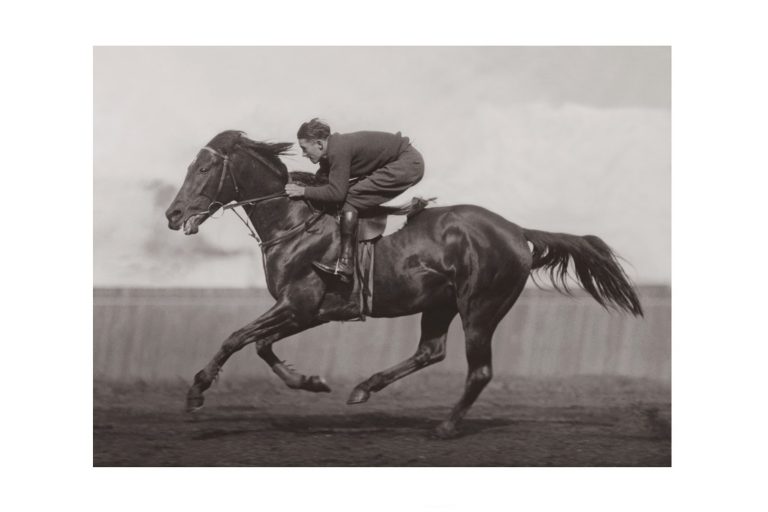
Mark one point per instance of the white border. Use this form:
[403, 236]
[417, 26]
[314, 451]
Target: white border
[719, 108]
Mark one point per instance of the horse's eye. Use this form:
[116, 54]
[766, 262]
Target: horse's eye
[203, 169]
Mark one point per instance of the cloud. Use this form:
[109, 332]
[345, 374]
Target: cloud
[163, 192]
[133, 245]
[563, 139]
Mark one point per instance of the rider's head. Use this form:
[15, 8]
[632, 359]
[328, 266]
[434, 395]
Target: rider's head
[313, 139]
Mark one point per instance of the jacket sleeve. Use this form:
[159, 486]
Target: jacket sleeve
[321, 175]
[338, 178]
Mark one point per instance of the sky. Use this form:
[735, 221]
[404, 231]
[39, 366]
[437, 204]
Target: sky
[565, 139]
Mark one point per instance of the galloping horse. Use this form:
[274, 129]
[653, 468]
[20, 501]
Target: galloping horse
[445, 261]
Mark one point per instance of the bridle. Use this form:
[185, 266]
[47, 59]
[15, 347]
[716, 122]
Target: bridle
[231, 206]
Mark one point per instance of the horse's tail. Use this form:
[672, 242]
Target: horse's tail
[596, 266]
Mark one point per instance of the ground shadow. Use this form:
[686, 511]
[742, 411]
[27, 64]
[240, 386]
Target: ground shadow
[321, 424]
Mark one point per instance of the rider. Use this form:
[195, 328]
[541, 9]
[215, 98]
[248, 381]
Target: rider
[365, 169]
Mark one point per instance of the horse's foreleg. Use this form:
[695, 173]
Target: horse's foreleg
[434, 330]
[292, 379]
[277, 323]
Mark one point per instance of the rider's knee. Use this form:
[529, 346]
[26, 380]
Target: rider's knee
[417, 175]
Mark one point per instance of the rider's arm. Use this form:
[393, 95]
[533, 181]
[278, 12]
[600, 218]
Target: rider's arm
[335, 191]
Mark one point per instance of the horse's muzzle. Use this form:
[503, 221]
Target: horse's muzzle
[174, 217]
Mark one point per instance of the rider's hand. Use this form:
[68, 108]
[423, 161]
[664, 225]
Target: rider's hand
[294, 190]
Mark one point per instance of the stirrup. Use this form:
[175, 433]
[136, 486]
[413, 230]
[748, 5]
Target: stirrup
[339, 270]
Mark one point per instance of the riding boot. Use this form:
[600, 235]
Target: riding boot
[345, 264]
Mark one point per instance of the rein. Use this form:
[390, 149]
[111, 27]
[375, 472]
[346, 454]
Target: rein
[290, 232]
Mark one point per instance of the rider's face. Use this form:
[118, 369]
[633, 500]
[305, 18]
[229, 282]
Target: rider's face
[313, 149]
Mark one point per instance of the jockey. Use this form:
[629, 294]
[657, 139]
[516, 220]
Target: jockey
[365, 169]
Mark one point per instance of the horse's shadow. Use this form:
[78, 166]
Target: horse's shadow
[362, 424]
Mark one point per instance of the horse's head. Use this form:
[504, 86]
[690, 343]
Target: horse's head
[217, 176]
[205, 189]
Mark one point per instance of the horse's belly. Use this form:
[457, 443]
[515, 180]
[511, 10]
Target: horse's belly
[407, 284]
[426, 294]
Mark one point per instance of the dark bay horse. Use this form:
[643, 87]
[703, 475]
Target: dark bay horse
[445, 261]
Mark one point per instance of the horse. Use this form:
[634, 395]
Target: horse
[444, 261]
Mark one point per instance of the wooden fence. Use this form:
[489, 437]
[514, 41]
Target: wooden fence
[161, 334]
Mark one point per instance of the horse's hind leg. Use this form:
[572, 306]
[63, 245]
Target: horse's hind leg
[479, 321]
[479, 375]
[434, 329]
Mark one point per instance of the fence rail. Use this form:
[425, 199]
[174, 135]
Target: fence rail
[168, 334]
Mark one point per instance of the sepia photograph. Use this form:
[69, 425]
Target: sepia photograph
[385, 257]
[382, 256]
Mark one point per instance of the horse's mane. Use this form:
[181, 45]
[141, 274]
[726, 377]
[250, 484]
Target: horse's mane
[228, 141]
[308, 179]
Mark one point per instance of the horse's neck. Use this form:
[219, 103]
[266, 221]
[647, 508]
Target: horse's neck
[272, 217]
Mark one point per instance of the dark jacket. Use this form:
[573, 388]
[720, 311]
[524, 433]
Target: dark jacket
[351, 155]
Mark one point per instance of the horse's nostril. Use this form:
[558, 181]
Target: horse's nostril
[173, 215]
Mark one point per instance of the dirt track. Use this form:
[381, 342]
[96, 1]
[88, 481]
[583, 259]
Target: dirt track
[584, 421]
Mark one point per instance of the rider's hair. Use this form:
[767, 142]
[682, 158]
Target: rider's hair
[314, 130]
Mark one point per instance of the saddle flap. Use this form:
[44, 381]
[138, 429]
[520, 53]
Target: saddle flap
[370, 228]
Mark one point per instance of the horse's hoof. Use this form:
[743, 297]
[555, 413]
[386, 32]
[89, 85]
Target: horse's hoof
[446, 430]
[358, 396]
[316, 385]
[194, 401]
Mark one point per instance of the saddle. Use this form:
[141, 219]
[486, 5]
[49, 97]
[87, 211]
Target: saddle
[369, 230]
[358, 300]
[371, 226]
[373, 223]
